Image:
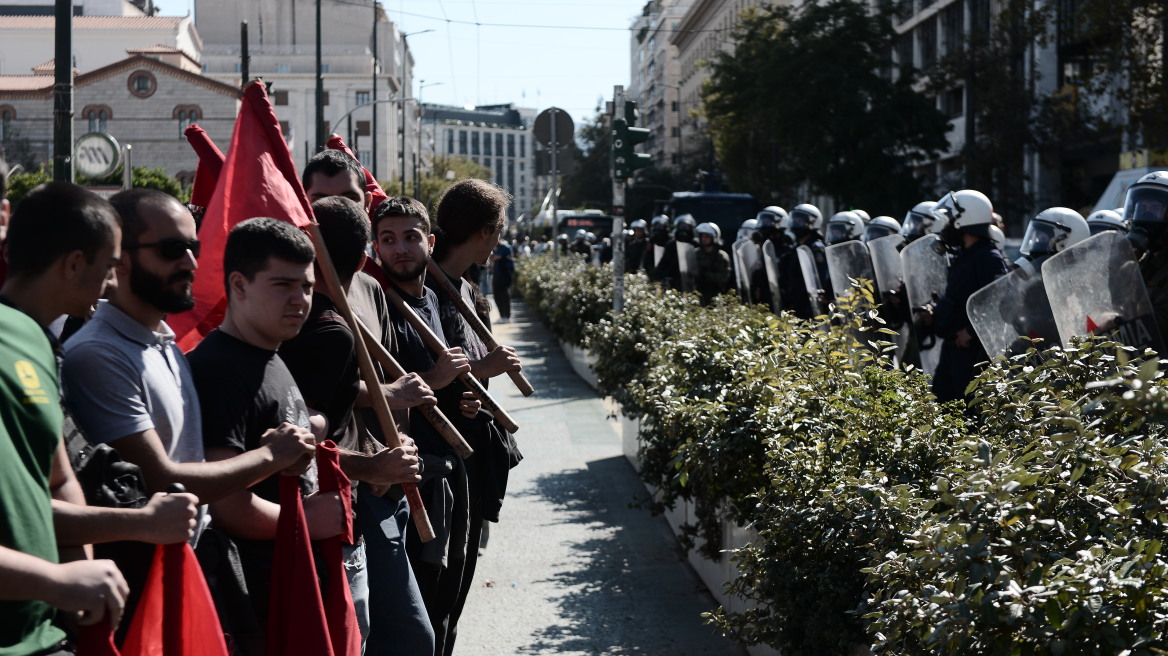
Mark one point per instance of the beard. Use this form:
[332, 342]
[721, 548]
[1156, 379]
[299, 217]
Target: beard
[159, 293]
[405, 275]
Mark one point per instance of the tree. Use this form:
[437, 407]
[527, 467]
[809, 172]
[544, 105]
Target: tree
[141, 177]
[444, 171]
[806, 103]
[590, 185]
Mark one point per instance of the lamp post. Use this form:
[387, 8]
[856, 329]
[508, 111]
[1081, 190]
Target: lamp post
[401, 87]
[418, 155]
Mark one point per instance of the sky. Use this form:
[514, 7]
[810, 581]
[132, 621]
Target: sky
[533, 53]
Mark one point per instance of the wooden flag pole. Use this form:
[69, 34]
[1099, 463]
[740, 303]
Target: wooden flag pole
[435, 344]
[369, 375]
[476, 324]
[435, 416]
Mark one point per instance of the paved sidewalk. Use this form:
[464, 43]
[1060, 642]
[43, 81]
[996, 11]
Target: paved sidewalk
[571, 568]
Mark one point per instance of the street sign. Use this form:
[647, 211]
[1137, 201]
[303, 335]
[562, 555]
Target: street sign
[98, 155]
[565, 129]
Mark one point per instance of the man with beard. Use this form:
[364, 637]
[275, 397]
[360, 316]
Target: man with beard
[128, 384]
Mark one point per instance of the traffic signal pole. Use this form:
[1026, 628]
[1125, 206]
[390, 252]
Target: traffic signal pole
[618, 212]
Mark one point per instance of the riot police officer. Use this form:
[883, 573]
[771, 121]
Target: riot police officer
[918, 222]
[967, 217]
[713, 264]
[635, 246]
[881, 226]
[805, 223]
[1147, 209]
[1051, 231]
[844, 226]
[581, 245]
[655, 250]
[1105, 220]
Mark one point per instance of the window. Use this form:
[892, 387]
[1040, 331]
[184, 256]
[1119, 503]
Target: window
[979, 17]
[280, 97]
[487, 144]
[523, 145]
[927, 34]
[363, 98]
[286, 130]
[450, 142]
[283, 68]
[186, 115]
[462, 142]
[364, 129]
[904, 51]
[365, 156]
[953, 102]
[326, 102]
[510, 145]
[954, 26]
[7, 115]
[142, 84]
[97, 117]
[510, 174]
[499, 145]
[499, 169]
[474, 145]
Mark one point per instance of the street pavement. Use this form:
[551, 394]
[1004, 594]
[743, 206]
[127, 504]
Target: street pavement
[572, 568]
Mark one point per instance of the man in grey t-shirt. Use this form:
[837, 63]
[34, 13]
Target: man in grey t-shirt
[127, 383]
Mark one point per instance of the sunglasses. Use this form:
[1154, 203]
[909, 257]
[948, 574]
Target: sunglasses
[172, 248]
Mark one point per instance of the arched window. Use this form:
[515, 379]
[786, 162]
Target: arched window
[7, 115]
[186, 115]
[97, 117]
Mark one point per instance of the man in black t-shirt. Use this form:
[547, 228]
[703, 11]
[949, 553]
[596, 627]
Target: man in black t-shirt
[246, 389]
[405, 244]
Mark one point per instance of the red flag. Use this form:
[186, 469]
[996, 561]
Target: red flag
[338, 600]
[258, 179]
[377, 194]
[1091, 325]
[210, 165]
[176, 616]
[296, 617]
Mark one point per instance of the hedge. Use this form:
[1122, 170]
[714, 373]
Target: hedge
[1030, 522]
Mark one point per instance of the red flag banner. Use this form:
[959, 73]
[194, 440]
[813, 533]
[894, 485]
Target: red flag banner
[96, 640]
[338, 599]
[372, 187]
[296, 618]
[209, 167]
[258, 179]
[176, 616]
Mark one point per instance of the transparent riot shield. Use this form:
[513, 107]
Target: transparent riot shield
[886, 264]
[811, 279]
[1010, 309]
[747, 260]
[687, 264]
[770, 261]
[1095, 287]
[925, 267]
[846, 262]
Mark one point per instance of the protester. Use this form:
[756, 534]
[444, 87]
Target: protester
[245, 389]
[62, 243]
[405, 242]
[470, 216]
[502, 271]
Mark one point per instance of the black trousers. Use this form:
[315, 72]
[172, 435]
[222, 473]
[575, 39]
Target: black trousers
[503, 300]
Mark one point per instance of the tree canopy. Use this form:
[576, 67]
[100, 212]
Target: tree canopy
[807, 103]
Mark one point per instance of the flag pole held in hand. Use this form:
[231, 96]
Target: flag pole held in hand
[476, 324]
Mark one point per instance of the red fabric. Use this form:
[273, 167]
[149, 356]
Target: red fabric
[296, 616]
[210, 165]
[338, 600]
[374, 269]
[258, 179]
[96, 640]
[377, 194]
[176, 616]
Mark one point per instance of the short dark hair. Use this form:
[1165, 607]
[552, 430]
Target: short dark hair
[402, 206]
[344, 226]
[330, 162]
[467, 207]
[253, 242]
[53, 220]
[127, 204]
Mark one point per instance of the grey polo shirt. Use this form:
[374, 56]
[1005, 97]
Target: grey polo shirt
[121, 378]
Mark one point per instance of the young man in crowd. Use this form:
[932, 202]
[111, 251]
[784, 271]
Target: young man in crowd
[62, 244]
[128, 385]
[404, 245]
[245, 390]
[394, 621]
[471, 216]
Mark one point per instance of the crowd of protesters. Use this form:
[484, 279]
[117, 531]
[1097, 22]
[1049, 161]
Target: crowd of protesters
[93, 377]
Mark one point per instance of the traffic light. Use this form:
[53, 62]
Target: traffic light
[624, 136]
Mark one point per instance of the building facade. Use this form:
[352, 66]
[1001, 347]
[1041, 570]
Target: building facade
[26, 42]
[365, 59]
[654, 81]
[495, 136]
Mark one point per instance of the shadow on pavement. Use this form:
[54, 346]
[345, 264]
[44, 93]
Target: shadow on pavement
[543, 361]
[631, 591]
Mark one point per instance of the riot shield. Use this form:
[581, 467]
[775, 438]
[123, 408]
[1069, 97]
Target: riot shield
[770, 260]
[1096, 287]
[926, 269]
[687, 264]
[810, 279]
[1010, 309]
[846, 262]
[747, 259]
[886, 264]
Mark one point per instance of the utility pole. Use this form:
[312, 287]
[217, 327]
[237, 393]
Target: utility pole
[63, 93]
[618, 209]
[321, 137]
[555, 190]
[244, 56]
[373, 168]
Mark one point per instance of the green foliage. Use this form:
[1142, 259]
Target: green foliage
[21, 183]
[1030, 522]
[435, 181]
[590, 184]
[804, 102]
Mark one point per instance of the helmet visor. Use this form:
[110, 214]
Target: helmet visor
[916, 225]
[947, 208]
[1102, 226]
[838, 232]
[875, 231]
[801, 220]
[1043, 238]
[1147, 206]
